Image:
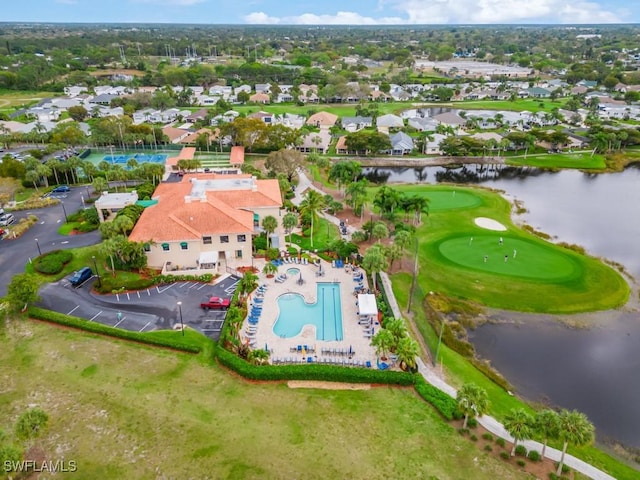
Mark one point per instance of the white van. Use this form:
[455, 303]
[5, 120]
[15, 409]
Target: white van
[7, 219]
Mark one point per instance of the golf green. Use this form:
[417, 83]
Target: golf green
[448, 199]
[512, 256]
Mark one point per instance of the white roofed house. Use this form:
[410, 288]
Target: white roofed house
[389, 121]
[423, 124]
[401, 144]
[432, 146]
[316, 142]
[353, 124]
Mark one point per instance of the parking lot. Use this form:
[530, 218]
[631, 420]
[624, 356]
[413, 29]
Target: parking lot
[144, 310]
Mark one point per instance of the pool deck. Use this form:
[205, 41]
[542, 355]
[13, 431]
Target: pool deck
[281, 348]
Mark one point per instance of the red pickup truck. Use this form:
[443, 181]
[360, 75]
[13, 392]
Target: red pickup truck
[215, 303]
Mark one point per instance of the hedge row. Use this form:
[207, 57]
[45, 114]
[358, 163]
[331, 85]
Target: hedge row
[443, 402]
[52, 262]
[94, 327]
[328, 373]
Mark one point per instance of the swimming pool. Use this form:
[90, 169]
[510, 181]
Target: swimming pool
[325, 314]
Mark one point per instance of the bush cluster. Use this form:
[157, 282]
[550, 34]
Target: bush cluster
[487, 436]
[521, 451]
[534, 456]
[501, 442]
[52, 262]
[444, 403]
[312, 371]
[32, 203]
[95, 327]
[505, 455]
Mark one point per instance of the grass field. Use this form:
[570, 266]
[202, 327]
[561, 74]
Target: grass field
[582, 160]
[10, 99]
[535, 276]
[123, 410]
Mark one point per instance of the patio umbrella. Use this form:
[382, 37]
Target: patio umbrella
[350, 349]
[266, 347]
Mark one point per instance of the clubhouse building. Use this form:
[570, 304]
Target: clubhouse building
[206, 221]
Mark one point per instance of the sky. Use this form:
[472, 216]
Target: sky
[325, 12]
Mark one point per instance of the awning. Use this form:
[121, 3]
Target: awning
[184, 244]
[367, 304]
[208, 257]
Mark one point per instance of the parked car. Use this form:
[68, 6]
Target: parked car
[61, 189]
[80, 276]
[7, 219]
[215, 303]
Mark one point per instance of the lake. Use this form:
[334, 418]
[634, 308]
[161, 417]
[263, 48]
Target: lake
[591, 369]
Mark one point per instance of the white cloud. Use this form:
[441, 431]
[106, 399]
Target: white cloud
[429, 12]
[501, 11]
[340, 18]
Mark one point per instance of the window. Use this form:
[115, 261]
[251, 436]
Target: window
[206, 240]
[224, 239]
[238, 253]
[147, 247]
[256, 220]
[184, 245]
[242, 238]
[165, 247]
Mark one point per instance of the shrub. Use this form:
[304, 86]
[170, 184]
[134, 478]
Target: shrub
[488, 448]
[501, 442]
[86, 227]
[473, 438]
[505, 455]
[487, 436]
[521, 451]
[444, 403]
[521, 462]
[52, 262]
[534, 456]
[472, 423]
[463, 431]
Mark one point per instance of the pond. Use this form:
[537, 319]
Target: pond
[592, 369]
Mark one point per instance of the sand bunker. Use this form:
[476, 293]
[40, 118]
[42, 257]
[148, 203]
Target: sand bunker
[490, 224]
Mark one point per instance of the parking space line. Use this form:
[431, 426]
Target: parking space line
[195, 284]
[128, 298]
[148, 292]
[120, 321]
[117, 297]
[148, 323]
[74, 309]
[94, 317]
[138, 294]
[203, 285]
[165, 289]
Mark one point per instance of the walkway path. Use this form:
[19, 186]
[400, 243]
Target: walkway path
[488, 422]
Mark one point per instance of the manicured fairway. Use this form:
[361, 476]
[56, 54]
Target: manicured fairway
[540, 277]
[515, 257]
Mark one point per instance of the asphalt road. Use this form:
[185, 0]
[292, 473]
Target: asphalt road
[14, 254]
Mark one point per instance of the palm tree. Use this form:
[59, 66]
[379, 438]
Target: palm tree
[393, 253]
[472, 401]
[269, 224]
[419, 206]
[108, 248]
[289, 222]
[397, 328]
[575, 428]
[247, 283]
[519, 425]
[407, 351]
[356, 195]
[383, 341]
[402, 239]
[258, 357]
[380, 231]
[269, 269]
[547, 426]
[375, 261]
[312, 203]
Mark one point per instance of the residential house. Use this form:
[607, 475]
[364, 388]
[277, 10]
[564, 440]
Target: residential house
[175, 135]
[451, 119]
[290, 120]
[322, 119]
[44, 114]
[353, 124]
[206, 220]
[283, 98]
[316, 142]
[227, 117]
[537, 92]
[197, 116]
[401, 144]
[266, 117]
[103, 99]
[263, 98]
[378, 96]
[144, 115]
[263, 88]
[423, 124]
[74, 91]
[432, 146]
[389, 121]
[242, 88]
[223, 91]
[205, 100]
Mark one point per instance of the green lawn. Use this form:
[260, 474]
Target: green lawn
[122, 410]
[581, 160]
[535, 276]
[324, 234]
[531, 105]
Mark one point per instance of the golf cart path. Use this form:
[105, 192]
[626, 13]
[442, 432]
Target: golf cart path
[488, 422]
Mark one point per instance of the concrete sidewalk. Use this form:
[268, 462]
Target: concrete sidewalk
[491, 424]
